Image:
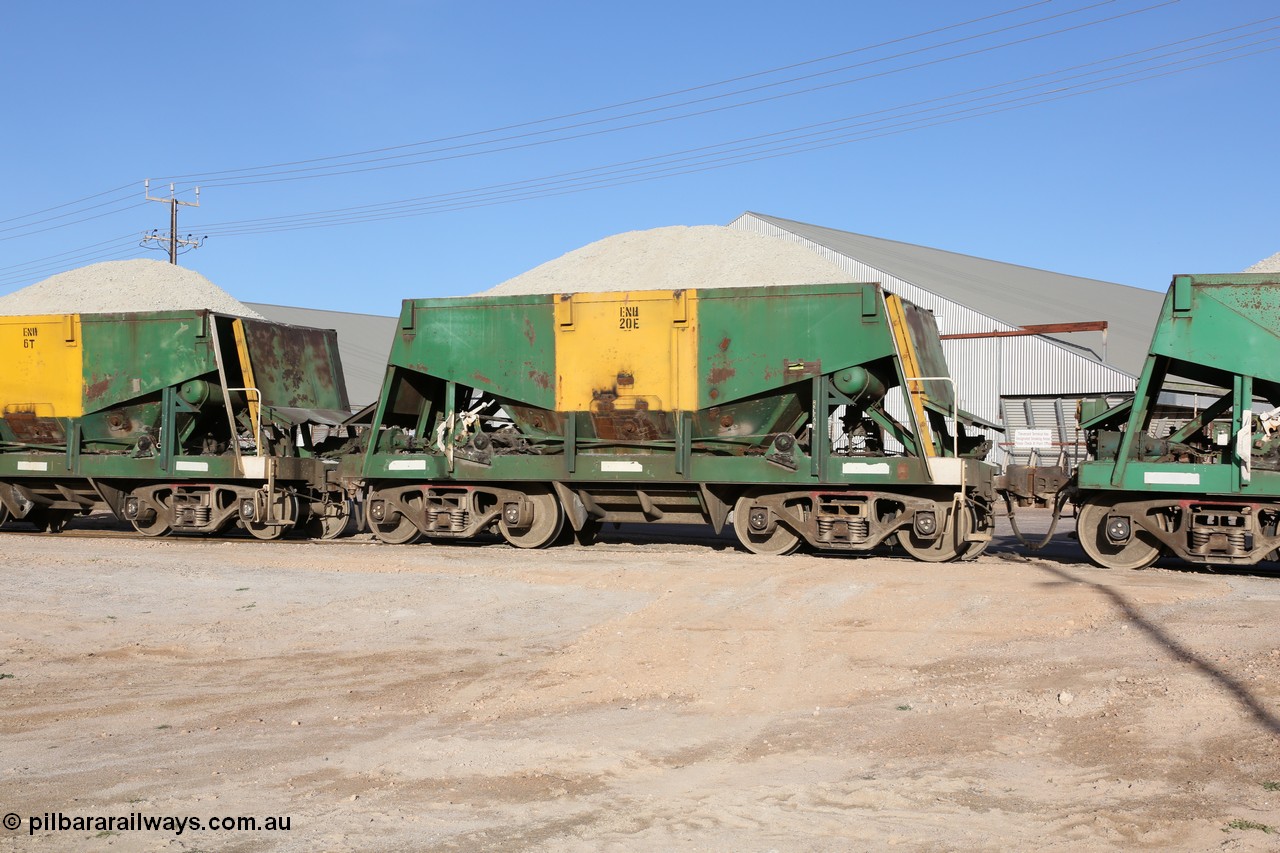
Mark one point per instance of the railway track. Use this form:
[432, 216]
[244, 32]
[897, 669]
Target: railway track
[628, 534]
[128, 534]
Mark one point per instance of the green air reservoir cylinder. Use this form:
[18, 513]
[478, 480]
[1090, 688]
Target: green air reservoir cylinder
[860, 384]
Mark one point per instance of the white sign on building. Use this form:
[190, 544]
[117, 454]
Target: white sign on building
[1033, 439]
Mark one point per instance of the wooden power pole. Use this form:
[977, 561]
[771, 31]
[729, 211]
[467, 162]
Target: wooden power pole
[172, 237]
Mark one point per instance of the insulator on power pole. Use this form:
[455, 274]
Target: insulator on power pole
[172, 237]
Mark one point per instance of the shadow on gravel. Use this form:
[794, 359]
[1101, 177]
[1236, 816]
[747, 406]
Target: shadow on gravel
[1265, 716]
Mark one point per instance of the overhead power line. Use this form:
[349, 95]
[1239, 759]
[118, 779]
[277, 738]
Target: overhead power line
[350, 166]
[69, 254]
[1037, 89]
[118, 191]
[916, 115]
[209, 176]
[67, 204]
[645, 117]
[73, 222]
[132, 250]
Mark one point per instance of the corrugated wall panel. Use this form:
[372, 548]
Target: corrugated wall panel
[1057, 414]
[1034, 366]
[974, 364]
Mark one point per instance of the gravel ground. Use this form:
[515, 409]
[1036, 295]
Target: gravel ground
[634, 695]
[122, 286]
[675, 258]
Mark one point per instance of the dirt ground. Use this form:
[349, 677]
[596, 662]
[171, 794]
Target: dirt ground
[632, 696]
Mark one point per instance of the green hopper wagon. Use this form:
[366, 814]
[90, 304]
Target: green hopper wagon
[186, 421]
[813, 414]
[1209, 490]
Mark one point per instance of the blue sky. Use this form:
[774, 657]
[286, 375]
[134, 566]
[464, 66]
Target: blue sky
[449, 146]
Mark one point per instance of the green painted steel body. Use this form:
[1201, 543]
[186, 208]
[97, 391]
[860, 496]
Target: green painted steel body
[504, 344]
[296, 368]
[779, 336]
[1221, 331]
[128, 356]
[167, 397]
[673, 392]
[782, 343]
[1210, 490]
[144, 371]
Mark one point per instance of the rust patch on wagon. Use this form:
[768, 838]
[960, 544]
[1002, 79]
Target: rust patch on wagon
[720, 374]
[97, 389]
[295, 366]
[638, 424]
[30, 429]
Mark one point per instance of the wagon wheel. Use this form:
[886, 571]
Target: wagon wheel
[1091, 528]
[974, 550]
[288, 506]
[542, 530]
[266, 532]
[397, 529]
[947, 546]
[328, 525]
[776, 543]
[159, 524]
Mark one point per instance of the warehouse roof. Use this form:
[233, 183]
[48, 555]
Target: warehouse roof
[1016, 295]
[364, 342]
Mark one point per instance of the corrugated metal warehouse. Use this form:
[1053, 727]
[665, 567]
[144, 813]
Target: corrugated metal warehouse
[1024, 382]
[1029, 383]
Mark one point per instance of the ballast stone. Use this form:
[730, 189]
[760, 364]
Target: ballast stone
[675, 258]
[123, 286]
